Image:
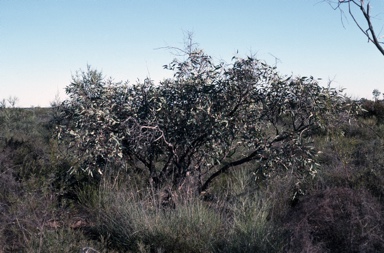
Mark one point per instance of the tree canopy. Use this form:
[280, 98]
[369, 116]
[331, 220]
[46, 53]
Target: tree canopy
[207, 119]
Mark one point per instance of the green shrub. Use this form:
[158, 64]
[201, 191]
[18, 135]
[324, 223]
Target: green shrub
[337, 220]
[374, 109]
[208, 119]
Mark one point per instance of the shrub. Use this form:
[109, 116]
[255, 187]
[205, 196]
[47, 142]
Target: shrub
[206, 120]
[337, 220]
[374, 109]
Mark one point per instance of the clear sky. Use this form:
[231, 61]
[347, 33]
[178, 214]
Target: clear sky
[44, 42]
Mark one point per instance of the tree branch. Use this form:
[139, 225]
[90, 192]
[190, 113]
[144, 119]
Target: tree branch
[370, 32]
[254, 155]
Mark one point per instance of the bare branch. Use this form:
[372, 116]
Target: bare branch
[365, 10]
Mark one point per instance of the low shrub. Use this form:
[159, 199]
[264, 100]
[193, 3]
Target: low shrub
[337, 220]
[374, 108]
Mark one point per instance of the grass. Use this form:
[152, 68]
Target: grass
[142, 224]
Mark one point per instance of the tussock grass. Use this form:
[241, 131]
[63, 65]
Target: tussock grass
[132, 223]
[135, 220]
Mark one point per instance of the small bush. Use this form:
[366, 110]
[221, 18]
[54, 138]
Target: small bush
[337, 220]
[374, 108]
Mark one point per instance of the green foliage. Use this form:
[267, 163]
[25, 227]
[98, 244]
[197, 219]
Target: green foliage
[30, 185]
[376, 94]
[373, 109]
[216, 129]
[199, 124]
[45, 209]
[342, 208]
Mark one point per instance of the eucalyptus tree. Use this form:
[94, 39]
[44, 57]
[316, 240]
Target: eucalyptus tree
[207, 119]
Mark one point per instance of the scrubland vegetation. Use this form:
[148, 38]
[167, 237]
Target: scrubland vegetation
[219, 158]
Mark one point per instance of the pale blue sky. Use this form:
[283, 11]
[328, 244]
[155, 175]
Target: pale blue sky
[44, 42]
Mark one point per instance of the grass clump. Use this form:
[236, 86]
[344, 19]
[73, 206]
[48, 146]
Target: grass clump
[135, 224]
[137, 220]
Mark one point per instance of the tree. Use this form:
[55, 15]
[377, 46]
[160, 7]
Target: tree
[362, 8]
[207, 119]
[376, 94]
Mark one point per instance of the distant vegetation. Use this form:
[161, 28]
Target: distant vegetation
[220, 158]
